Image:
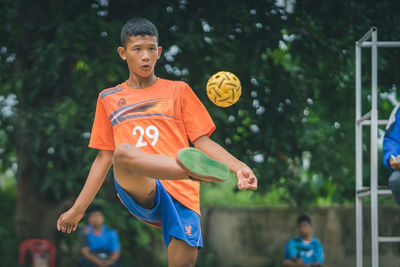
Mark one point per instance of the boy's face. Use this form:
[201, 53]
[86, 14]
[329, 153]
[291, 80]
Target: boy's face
[96, 218]
[141, 54]
[304, 229]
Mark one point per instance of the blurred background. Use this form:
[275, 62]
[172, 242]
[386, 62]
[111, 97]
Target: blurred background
[294, 123]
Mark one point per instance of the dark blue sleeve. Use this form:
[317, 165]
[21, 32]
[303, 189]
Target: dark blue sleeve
[391, 142]
[115, 244]
[319, 252]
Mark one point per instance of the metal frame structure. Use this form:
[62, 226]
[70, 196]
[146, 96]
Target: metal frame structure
[369, 119]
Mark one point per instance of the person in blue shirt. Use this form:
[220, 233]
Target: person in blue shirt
[100, 245]
[304, 250]
[391, 152]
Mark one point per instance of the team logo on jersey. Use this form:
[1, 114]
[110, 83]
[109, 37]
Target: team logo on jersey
[132, 110]
[188, 230]
[121, 102]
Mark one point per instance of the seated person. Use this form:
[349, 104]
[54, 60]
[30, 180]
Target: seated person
[304, 250]
[99, 244]
[391, 152]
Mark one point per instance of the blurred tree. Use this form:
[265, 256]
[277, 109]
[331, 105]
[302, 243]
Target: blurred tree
[44, 55]
[323, 51]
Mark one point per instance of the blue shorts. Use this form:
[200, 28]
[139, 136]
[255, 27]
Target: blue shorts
[176, 220]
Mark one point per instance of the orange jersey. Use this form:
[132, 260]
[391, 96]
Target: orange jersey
[158, 120]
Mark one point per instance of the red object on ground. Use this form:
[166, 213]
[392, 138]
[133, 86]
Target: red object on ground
[37, 247]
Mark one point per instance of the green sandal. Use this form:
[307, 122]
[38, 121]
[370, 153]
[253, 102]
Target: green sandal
[201, 167]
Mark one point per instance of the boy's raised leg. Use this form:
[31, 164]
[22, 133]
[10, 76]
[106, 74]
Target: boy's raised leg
[135, 172]
[180, 254]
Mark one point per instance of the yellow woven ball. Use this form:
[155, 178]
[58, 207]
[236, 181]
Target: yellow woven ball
[224, 89]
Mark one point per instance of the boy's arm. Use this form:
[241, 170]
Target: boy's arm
[68, 221]
[291, 259]
[319, 255]
[391, 146]
[114, 257]
[85, 250]
[115, 248]
[246, 177]
[391, 142]
[90, 256]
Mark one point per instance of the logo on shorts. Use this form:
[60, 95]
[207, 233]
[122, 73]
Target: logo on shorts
[188, 229]
[121, 102]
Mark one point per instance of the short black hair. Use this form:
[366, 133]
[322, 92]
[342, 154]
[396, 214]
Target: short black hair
[138, 26]
[303, 218]
[94, 208]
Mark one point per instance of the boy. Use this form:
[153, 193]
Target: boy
[304, 250]
[391, 152]
[99, 244]
[139, 126]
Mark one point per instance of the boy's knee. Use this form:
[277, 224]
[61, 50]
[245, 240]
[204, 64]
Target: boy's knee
[394, 180]
[124, 152]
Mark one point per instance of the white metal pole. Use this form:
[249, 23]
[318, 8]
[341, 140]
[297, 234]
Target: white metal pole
[366, 36]
[384, 44]
[358, 141]
[374, 150]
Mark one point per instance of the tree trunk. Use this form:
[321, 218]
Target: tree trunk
[36, 216]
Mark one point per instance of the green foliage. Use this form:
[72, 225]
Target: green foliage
[310, 188]
[324, 50]
[8, 245]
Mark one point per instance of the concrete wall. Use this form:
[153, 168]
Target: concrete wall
[235, 236]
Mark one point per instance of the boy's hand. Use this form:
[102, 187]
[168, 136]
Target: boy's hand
[300, 263]
[395, 165]
[68, 221]
[246, 178]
